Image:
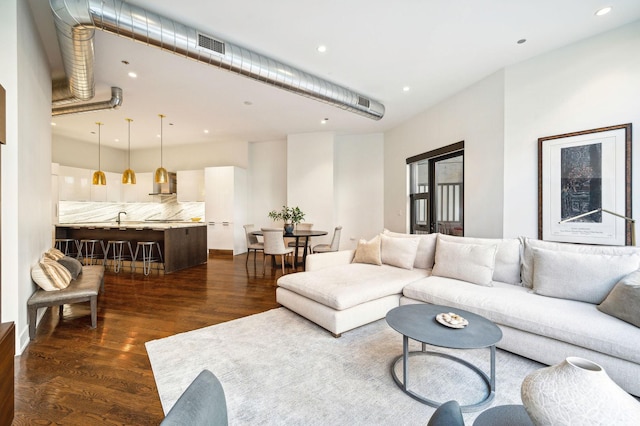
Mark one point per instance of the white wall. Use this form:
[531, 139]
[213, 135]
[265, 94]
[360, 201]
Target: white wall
[74, 153]
[359, 183]
[475, 116]
[267, 180]
[310, 177]
[591, 84]
[26, 160]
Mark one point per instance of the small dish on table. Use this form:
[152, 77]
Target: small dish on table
[451, 320]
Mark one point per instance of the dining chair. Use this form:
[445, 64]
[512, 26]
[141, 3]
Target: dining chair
[274, 246]
[252, 243]
[291, 242]
[335, 243]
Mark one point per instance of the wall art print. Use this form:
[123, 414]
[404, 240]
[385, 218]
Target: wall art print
[585, 174]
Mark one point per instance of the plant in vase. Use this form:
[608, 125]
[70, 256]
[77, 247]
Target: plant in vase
[289, 215]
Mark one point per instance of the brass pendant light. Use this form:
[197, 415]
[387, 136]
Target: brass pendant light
[129, 176]
[161, 173]
[98, 176]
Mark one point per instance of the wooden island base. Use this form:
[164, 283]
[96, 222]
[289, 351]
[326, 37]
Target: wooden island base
[182, 245]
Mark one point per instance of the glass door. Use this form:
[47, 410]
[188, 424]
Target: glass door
[448, 195]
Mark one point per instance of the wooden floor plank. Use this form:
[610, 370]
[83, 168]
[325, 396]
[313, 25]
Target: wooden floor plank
[74, 375]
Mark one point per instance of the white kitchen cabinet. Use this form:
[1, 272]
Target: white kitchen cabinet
[111, 192]
[190, 185]
[74, 184]
[138, 193]
[226, 208]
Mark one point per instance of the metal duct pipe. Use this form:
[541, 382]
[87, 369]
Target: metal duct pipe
[113, 103]
[76, 19]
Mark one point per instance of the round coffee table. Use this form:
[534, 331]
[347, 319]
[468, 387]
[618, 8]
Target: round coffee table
[418, 322]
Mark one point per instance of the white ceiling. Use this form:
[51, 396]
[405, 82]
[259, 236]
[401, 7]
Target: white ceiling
[375, 47]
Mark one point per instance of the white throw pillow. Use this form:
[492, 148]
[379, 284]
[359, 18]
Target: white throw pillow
[507, 264]
[400, 252]
[529, 244]
[467, 262]
[368, 251]
[426, 253]
[579, 276]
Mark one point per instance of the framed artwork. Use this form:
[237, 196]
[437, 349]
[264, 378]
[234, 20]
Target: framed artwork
[584, 186]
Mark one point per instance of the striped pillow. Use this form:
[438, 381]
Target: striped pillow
[54, 254]
[58, 275]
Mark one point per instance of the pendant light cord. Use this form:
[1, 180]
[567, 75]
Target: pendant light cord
[161, 127]
[99, 145]
[129, 136]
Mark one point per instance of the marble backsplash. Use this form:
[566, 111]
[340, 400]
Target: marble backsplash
[167, 208]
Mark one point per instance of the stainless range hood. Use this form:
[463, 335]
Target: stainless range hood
[168, 188]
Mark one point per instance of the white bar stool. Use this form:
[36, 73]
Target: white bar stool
[148, 256]
[117, 248]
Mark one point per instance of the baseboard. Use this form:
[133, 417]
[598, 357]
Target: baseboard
[220, 253]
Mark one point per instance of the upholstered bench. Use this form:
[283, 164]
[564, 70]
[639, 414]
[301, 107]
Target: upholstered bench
[84, 288]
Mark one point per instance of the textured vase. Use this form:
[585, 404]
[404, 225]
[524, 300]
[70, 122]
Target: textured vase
[577, 392]
[288, 228]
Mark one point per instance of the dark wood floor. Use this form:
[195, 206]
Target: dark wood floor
[73, 375]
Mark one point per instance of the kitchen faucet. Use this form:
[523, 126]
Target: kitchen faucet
[120, 220]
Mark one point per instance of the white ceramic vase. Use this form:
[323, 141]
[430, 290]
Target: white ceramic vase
[577, 392]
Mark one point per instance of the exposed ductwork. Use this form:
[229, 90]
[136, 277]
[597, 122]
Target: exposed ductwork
[114, 102]
[76, 20]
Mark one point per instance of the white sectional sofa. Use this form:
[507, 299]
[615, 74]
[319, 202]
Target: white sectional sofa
[549, 299]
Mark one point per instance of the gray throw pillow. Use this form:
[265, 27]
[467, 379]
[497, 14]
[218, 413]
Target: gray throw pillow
[73, 265]
[624, 300]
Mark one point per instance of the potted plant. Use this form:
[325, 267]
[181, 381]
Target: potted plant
[289, 215]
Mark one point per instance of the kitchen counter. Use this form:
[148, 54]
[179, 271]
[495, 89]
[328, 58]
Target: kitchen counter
[134, 225]
[183, 244]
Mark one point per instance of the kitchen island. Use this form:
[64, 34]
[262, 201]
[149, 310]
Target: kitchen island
[183, 244]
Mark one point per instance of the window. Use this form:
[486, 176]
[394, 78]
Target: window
[437, 191]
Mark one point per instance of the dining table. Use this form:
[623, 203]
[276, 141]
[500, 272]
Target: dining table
[298, 235]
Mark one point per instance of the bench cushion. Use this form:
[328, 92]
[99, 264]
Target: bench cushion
[86, 285]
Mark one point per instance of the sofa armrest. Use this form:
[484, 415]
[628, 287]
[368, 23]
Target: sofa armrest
[323, 260]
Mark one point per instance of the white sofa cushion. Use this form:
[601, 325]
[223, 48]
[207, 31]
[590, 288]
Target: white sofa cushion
[579, 276]
[400, 252]
[468, 262]
[425, 256]
[565, 320]
[345, 286]
[368, 251]
[507, 264]
[624, 300]
[529, 244]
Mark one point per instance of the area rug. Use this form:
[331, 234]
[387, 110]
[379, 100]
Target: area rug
[278, 368]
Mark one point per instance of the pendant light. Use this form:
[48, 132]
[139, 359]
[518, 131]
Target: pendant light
[129, 176]
[98, 176]
[161, 173]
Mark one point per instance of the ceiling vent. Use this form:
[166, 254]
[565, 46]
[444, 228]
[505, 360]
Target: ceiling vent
[76, 21]
[210, 43]
[363, 102]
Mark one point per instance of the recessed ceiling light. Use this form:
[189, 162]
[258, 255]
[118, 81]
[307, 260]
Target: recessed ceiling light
[206, 130]
[406, 88]
[53, 123]
[603, 11]
[522, 41]
[322, 48]
[324, 121]
[132, 74]
[116, 140]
